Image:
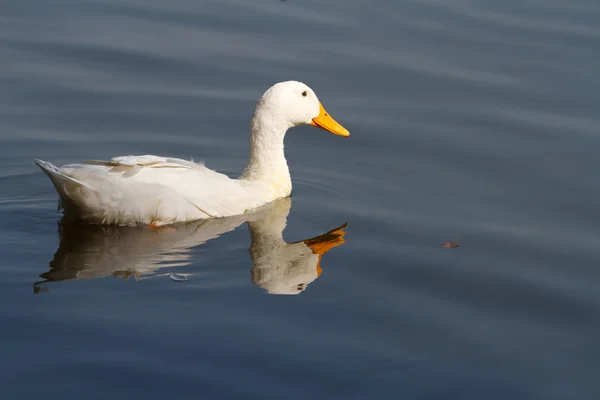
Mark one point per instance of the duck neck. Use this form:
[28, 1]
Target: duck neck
[267, 157]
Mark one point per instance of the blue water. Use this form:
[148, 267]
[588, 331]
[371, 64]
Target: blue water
[474, 122]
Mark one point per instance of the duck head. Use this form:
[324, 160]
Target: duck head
[293, 103]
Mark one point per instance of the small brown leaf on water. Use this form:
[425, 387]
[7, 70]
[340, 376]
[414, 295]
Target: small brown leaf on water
[449, 244]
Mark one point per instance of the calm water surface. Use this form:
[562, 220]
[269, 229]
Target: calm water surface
[472, 121]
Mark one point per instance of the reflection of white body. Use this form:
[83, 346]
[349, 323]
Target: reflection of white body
[88, 251]
[132, 190]
[280, 267]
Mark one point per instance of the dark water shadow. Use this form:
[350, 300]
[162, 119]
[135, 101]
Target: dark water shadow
[279, 267]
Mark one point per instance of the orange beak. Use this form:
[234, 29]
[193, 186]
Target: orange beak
[324, 121]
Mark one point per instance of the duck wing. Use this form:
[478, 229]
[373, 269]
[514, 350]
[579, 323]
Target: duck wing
[145, 189]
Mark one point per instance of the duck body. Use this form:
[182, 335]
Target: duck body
[148, 189]
[154, 190]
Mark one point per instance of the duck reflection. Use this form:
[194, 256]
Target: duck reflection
[279, 267]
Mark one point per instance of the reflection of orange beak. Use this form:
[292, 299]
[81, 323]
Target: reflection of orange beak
[324, 121]
[325, 242]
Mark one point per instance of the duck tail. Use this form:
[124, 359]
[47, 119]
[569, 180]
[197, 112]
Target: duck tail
[62, 183]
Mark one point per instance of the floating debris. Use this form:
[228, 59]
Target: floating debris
[449, 244]
[178, 277]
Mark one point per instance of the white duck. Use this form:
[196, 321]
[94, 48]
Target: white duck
[133, 190]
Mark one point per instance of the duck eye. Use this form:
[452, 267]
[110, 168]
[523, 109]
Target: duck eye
[304, 93]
